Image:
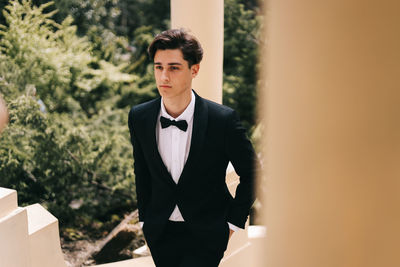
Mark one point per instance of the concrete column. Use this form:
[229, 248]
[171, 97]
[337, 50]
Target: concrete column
[205, 20]
[332, 112]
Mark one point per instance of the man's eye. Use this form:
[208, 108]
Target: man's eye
[158, 67]
[174, 68]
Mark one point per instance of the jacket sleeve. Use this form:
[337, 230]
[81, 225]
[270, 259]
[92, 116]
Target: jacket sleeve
[241, 154]
[142, 174]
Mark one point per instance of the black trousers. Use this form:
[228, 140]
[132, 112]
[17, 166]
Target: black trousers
[178, 247]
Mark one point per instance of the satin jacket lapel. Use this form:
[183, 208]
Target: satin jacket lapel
[200, 122]
[151, 124]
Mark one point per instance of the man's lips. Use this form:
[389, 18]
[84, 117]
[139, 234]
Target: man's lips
[165, 86]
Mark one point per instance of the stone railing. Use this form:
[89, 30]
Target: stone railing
[29, 236]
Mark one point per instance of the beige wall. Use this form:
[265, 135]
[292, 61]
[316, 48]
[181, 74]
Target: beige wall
[332, 111]
[205, 19]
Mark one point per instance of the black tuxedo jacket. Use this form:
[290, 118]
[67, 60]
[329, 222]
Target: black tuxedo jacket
[201, 193]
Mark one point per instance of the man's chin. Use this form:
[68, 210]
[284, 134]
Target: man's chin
[168, 94]
[164, 91]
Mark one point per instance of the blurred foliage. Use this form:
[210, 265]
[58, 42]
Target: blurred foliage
[74, 156]
[69, 71]
[75, 168]
[242, 28]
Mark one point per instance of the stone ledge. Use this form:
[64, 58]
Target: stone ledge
[44, 240]
[38, 218]
[14, 248]
[8, 201]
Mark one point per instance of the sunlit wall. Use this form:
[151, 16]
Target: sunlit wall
[331, 107]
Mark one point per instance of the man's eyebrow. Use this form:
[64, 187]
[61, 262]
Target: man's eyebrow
[172, 63]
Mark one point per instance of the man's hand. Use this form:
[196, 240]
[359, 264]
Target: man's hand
[230, 233]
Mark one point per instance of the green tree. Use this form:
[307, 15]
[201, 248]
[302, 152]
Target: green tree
[54, 59]
[74, 157]
[241, 39]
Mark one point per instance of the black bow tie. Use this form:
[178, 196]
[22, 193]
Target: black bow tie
[182, 124]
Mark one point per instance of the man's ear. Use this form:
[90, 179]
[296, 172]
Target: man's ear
[195, 69]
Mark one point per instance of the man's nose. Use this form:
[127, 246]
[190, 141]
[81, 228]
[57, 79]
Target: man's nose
[165, 75]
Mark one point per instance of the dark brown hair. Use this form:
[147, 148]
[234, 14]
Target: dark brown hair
[178, 39]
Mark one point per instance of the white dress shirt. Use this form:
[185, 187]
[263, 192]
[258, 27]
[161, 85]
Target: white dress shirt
[174, 146]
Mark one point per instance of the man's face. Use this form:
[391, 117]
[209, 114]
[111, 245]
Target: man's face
[172, 73]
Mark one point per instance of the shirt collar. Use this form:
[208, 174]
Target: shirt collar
[187, 114]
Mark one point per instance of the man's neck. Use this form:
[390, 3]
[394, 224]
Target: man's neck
[177, 105]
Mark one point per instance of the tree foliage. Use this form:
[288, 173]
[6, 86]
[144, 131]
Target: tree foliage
[75, 156]
[241, 40]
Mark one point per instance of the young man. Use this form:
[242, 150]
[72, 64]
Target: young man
[182, 145]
